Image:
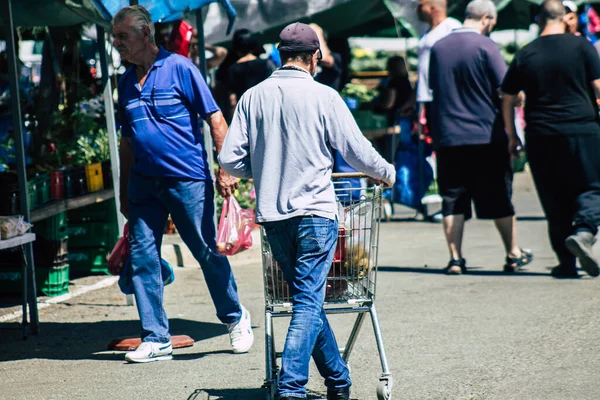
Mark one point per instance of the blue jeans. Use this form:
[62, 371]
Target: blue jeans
[304, 248]
[191, 205]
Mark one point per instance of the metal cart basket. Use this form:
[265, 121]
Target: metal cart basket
[351, 283]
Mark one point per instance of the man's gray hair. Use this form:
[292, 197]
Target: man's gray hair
[478, 8]
[140, 17]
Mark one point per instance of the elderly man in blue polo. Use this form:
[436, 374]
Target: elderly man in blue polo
[164, 170]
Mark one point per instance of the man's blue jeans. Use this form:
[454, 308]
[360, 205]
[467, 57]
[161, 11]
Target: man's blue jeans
[191, 205]
[304, 248]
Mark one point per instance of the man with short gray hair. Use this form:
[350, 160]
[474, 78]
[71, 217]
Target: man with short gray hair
[164, 171]
[473, 162]
[560, 73]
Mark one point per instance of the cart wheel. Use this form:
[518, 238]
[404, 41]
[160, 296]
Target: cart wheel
[384, 390]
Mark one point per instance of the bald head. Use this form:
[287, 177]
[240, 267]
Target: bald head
[478, 9]
[552, 11]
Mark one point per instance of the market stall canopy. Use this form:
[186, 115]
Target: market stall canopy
[346, 17]
[30, 13]
[170, 10]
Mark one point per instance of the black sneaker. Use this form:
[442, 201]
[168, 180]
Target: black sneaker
[338, 394]
[456, 267]
[516, 264]
[580, 244]
[564, 272]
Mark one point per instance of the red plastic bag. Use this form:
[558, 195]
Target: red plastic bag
[235, 228]
[120, 253]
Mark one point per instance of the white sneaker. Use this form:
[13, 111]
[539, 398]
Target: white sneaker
[148, 352]
[240, 334]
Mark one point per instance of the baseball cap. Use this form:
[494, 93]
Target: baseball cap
[570, 6]
[298, 37]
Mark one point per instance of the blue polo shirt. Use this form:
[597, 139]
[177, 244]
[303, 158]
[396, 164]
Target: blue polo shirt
[161, 118]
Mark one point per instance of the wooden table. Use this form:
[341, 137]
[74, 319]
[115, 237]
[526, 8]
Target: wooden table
[29, 294]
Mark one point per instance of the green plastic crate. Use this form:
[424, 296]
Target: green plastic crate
[368, 120]
[53, 228]
[85, 262]
[50, 281]
[93, 234]
[105, 211]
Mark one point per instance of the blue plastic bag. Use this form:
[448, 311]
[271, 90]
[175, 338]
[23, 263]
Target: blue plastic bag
[126, 281]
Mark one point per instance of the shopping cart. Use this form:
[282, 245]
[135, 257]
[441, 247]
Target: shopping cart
[351, 283]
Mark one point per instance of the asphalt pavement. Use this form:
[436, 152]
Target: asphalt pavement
[485, 335]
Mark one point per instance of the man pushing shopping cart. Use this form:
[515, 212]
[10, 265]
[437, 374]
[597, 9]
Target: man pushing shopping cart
[282, 135]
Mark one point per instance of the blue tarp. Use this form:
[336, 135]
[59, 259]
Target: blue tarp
[165, 10]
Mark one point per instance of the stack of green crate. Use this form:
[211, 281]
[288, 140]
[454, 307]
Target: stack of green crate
[50, 281]
[50, 254]
[93, 231]
[50, 259]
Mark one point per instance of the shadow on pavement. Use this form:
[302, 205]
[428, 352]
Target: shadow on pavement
[477, 271]
[240, 394]
[80, 340]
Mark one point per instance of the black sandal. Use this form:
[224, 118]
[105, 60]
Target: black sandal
[516, 264]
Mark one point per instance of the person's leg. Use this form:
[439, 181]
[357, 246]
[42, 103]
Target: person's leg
[508, 233]
[453, 230]
[147, 217]
[191, 204]
[550, 175]
[453, 181]
[304, 249]
[586, 176]
[333, 369]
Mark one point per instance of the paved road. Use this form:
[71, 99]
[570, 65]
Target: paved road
[485, 335]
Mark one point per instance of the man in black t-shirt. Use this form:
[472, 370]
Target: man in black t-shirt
[560, 74]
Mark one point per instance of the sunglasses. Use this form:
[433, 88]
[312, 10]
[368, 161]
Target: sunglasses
[319, 55]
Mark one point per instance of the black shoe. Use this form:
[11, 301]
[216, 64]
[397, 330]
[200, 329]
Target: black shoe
[580, 244]
[516, 264]
[564, 272]
[456, 267]
[338, 394]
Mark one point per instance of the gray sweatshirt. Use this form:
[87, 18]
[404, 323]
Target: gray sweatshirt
[282, 134]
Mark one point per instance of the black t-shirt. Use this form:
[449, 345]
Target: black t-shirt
[242, 76]
[332, 77]
[556, 73]
[401, 85]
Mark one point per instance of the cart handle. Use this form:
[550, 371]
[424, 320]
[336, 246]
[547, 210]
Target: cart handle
[336, 175]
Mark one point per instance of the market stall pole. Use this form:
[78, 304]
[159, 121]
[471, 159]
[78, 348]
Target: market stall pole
[29, 292]
[111, 127]
[208, 142]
